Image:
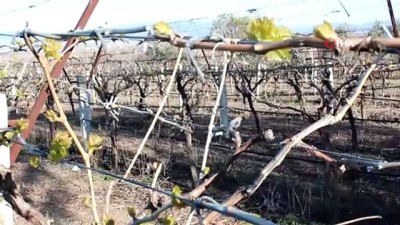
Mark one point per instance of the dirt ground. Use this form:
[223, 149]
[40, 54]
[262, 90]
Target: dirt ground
[59, 193]
[299, 188]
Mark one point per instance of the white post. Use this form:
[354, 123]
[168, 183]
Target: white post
[145, 47]
[386, 30]
[330, 75]
[258, 79]
[85, 111]
[6, 211]
[231, 83]
[306, 75]
[180, 104]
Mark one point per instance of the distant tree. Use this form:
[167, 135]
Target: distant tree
[161, 50]
[343, 30]
[231, 26]
[377, 31]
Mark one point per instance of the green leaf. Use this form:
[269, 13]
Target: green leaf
[264, 29]
[206, 170]
[52, 48]
[34, 161]
[10, 134]
[21, 124]
[94, 143]
[325, 31]
[59, 146]
[162, 28]
[176, 191]
[52, 116]
[169, 220]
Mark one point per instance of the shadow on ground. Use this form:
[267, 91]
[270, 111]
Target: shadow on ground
[296, 187]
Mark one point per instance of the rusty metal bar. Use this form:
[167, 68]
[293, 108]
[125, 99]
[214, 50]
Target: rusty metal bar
[393, 19]
[55, 73]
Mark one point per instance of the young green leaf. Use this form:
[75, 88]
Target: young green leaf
[94, 143]
[206, 170]
[34, 161]
[10, 134]
[176, 191]
[4, 141]
[264, 29]
[52, 116]
[51, 48]
[21, 124]
[59, 146]
[325, 31]
[169, 220]
[162, 29]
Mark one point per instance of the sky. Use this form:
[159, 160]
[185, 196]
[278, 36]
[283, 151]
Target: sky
[62, 15]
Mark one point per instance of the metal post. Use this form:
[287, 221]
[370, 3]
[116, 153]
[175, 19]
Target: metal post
[85, 111]
[6, 211]
[223, 105]
[330, 74]
[55, 73]
[392, 18]
[386, 30]
[258, 79]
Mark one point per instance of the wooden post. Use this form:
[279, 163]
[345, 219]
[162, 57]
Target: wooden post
[6, 211]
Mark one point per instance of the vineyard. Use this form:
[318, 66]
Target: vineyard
[250, 125]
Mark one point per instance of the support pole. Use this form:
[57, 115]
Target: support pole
[223, 106]
[85, 111]
[258, 79]
[386, 30]
[55, 73]
[392, 18]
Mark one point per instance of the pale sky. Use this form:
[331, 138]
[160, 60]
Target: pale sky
[62, 15]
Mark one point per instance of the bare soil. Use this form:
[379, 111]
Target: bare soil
[297, 187]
